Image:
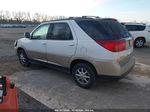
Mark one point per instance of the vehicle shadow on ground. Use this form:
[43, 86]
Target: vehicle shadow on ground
[124, 83]
[57, 89]
[145, 47]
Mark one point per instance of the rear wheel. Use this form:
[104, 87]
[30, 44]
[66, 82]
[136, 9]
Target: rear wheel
[23, 58]
[139, 42]
[84, 75]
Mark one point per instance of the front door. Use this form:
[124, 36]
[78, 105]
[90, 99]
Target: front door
[37, 44]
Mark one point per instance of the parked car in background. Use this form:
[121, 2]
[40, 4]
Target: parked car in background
[16, 26]
[85, 47]
[140, 33]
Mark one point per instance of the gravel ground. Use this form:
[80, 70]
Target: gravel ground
[29, 104]
[9, 64]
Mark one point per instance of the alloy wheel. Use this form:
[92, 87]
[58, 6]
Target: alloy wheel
[139, 43]
[82, 75]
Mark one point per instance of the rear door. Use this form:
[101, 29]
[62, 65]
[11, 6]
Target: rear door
[61, 43]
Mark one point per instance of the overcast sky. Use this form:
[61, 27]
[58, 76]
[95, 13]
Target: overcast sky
[125, 10]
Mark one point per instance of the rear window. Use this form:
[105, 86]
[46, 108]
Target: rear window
[103, 29]
[135, 27]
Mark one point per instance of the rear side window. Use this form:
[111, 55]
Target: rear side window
[103, 29]
[61, 31]
[135, 27]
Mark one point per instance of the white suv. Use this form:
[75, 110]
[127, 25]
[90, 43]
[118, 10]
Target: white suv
[85, 47]
[140, 33]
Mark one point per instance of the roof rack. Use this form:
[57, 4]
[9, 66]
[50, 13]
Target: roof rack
[90, 17]
[73, 17]
[85, 17]
[82, 17]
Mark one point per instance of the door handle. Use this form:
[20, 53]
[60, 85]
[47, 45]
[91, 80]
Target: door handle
[71, 44]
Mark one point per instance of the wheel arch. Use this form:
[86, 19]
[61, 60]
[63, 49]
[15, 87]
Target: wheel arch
[21, 48]
[142, 38]
[74, 62]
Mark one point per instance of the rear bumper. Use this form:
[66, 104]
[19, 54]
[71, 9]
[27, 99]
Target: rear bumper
[110, 78]
[113, 68]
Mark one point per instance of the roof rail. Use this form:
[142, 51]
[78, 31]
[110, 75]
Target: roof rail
[84, 17]
[73, 17]
[90, 17]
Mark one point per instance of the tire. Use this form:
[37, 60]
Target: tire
[84, 75]
[23, 59]
[139, 42]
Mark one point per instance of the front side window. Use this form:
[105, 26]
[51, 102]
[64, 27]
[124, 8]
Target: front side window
[41, 32]
[61, 31]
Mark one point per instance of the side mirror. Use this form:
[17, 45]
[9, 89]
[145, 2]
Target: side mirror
[27, 35]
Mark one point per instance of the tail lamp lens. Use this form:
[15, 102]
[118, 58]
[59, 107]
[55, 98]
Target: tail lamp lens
[113, 45]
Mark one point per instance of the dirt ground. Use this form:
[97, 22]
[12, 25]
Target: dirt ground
[10, 65]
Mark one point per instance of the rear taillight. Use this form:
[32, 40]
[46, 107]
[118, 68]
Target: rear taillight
[149, 31]
[113, 45]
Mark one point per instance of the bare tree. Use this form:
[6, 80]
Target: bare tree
[37, 17]
[1, 15]
[28, 16]
[7, 15]
[19, 16]
[25, 17]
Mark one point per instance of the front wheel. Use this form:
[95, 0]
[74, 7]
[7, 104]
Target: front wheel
[84, 75]
[139, 42]
[23, 58]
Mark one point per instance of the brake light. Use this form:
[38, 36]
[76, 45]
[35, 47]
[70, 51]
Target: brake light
[149, 31]
[113, 45]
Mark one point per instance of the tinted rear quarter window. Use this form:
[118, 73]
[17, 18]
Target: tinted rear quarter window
[103, 29]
